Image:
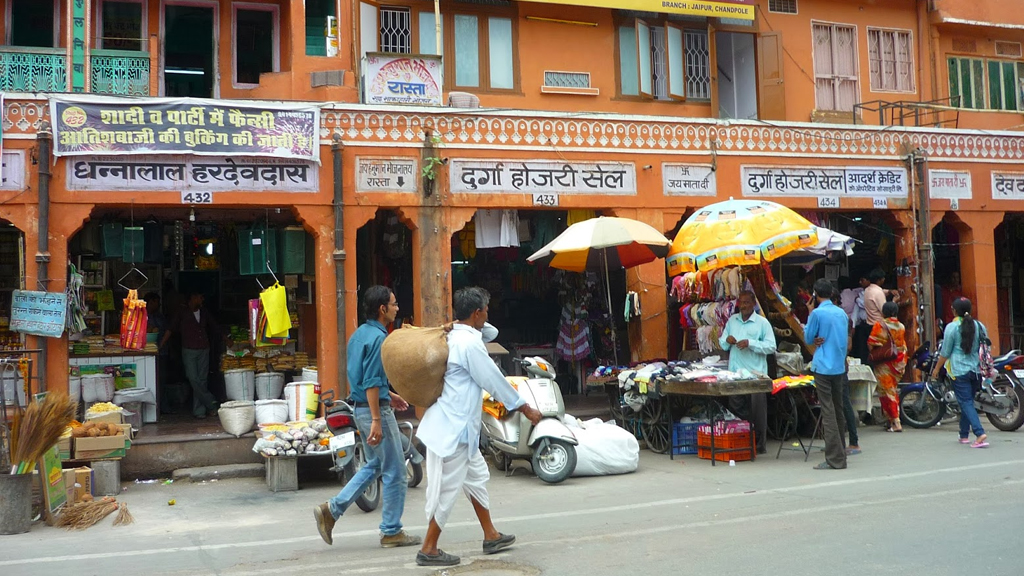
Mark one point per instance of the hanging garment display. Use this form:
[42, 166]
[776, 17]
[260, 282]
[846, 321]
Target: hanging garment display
[579, 215]
[134, 322]
[632, 311]
[573, 334]
[497, 228]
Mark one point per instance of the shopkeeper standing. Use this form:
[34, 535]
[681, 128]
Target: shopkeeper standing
[749, 339]
[197, 328]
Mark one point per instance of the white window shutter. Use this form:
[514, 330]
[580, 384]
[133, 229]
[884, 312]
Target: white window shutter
[369, 29]
[676, 62]
[643, 49]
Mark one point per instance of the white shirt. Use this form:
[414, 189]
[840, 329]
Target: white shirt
[196, 313]
[455, 418]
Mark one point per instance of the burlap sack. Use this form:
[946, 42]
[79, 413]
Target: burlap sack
[415, 360]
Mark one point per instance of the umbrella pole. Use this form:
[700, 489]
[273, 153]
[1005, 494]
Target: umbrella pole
[611, 314]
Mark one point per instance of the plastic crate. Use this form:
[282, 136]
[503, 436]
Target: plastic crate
[256, 246]
[736, 435]
[291, 244]
[684, 437]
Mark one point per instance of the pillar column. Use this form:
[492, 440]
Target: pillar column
[319, 221]
[978, 271]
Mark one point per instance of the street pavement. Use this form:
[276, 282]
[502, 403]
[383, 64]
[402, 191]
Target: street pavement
[916, 503]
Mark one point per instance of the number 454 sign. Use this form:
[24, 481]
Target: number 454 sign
[197, 197]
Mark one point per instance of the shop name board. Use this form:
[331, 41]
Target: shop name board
[169, 174]
[385, 174]
[949, 184]
[689, 180]
[736, 9]
[38, 313]
[1008, 185]
[108, 126]
[402, 79]
[542, 176]
[813, 181]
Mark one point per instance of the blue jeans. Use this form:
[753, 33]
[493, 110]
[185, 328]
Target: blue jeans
[385, 459]
[965, 387]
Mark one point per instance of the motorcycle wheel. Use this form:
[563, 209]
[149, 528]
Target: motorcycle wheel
[930, 413]
[369, 500]
[554, 461]
[1015, 418]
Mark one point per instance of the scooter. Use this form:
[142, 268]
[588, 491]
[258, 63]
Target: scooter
[550, 445]
[347, 450]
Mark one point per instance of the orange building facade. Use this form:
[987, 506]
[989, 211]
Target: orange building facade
[894, 107]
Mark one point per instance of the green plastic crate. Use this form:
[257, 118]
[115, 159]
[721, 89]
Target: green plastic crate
[133, 243]
[113, 240]
[256, 246]
[292, 250]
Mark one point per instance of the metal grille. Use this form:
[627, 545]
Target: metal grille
[33, 72]
[120, 75]
[1010, 49]
[965, 45]
[659, 65]
[698, 72]
[395, 31]
[782, 6]
[567, 79]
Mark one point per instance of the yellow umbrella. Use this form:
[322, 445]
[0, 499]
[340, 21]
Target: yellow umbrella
[738, 232]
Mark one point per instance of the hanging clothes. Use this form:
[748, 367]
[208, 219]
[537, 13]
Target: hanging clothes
[632, 311]
[579, 215]
[497, 228]
[573, 334]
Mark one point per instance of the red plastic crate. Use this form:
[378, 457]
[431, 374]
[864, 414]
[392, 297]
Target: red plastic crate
[725, 441]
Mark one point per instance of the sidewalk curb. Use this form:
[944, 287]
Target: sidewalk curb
[206, 473]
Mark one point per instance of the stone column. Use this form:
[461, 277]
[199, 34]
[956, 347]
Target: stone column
[978, 271]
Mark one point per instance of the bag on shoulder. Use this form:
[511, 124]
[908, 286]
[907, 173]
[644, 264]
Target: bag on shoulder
[986, 366]
[885, 352]
[415, 360]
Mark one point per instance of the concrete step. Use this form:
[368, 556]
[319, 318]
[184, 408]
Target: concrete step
[207, 473]
[160, 456]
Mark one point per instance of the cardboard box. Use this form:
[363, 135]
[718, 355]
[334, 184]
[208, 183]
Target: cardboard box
[64, 445]
[69, 486]
[83, 482]
[112, 417]
[101, 447]
[126, 429]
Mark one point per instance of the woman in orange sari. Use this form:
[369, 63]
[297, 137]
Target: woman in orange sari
[889, 372]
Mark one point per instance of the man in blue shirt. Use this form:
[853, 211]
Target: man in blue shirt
[375, 419]
[749, 339]
[827, 328]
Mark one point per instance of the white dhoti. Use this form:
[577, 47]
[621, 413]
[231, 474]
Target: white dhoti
[466, 469]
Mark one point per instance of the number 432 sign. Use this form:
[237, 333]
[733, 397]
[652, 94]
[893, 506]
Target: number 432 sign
[197, 197]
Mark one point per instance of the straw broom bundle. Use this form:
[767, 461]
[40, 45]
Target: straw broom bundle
[40, 428]
[85, 514]
[124, 517]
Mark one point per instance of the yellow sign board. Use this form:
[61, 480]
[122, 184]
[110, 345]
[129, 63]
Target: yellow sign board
[738, 9]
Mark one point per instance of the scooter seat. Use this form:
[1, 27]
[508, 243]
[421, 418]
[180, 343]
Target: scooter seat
[1006, 357]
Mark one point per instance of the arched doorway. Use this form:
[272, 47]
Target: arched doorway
[384, 256]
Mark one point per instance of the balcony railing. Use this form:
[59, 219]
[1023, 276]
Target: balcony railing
[33, 69]
[115, 72]
[120, 72]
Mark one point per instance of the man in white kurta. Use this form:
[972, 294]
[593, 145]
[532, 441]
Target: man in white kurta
[450, 429]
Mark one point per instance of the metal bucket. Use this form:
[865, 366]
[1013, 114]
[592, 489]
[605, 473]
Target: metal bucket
[15, 503]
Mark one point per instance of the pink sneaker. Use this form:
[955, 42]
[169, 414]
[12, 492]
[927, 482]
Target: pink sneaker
[965, 441]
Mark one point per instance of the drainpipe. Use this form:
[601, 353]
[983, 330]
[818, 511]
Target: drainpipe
[339, 262]
[43, 251]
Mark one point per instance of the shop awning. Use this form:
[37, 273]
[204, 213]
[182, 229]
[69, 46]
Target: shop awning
[739, 9]
[828, 241]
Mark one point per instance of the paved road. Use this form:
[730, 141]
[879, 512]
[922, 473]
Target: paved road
[912, 503]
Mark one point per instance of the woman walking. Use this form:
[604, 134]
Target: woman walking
[890, 334]
[960, 345]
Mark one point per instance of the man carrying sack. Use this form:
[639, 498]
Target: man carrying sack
[376, 422]
[450, 430]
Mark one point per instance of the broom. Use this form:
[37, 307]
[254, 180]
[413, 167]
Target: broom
[40, 428]
[85, 514]
[124, 517]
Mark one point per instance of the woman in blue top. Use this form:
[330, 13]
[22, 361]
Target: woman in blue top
[960, 345]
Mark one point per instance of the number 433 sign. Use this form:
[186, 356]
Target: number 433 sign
[197, 197]
[548, 200]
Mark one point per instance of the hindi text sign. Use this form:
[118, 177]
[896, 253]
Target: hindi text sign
[386, 174]
[689, 179]
[38, 313]
[539, 176]
[86, 126]
[867, 182]
[949, 184]
[1008, 185]
[402, 79]
[204, 173]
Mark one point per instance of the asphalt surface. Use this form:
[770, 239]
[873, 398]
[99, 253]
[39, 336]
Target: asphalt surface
[911, 503]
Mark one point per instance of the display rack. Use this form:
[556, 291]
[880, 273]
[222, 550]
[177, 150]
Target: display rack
[95, 273]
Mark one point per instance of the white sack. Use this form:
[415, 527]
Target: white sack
[604, 449]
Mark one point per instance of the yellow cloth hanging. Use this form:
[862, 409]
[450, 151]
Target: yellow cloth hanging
[467, 240]
[579, 215]
[275, 306]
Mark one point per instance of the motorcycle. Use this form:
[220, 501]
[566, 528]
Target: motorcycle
[348, 455]
[924, 404]
[550, 445]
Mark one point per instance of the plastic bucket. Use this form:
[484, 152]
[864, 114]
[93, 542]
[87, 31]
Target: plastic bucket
[270, 411]
[302, 400]
[240, 385]
[237, 417]
[15, 503]
[309, 374]
[75, 388]
[97, 387]
[269, 385]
